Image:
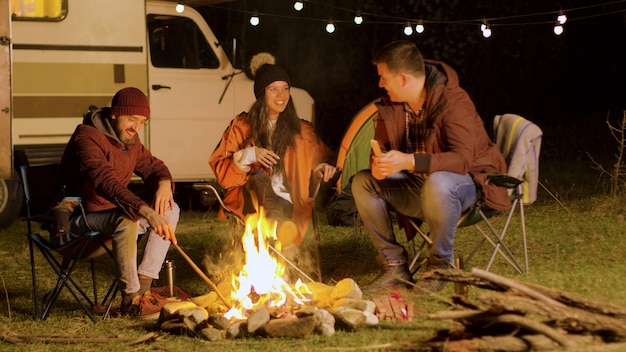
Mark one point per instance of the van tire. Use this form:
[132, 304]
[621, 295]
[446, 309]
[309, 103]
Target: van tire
[10, 206]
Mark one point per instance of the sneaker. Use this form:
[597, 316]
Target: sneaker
[394, 275]
[146, 306]
[150, 305]
[427, 285]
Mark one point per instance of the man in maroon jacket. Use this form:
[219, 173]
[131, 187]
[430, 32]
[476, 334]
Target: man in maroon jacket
[435, 155]
[97, 165]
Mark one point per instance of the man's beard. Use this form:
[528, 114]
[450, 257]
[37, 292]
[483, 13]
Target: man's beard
[125, 139]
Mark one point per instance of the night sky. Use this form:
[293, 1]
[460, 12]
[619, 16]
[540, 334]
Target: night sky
[567, 84]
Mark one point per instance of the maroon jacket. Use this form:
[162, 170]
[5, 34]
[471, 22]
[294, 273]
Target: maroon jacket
[98, 167]
[456, 139]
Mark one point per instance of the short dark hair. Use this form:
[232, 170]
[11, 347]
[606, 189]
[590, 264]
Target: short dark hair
[401, 55]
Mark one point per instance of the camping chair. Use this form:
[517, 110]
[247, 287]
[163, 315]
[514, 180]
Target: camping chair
[41, 194]
[519, 141]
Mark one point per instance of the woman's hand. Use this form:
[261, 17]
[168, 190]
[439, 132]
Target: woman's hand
[325, 172]
[266, 157]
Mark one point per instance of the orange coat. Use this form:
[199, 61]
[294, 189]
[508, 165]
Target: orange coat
[299, 161]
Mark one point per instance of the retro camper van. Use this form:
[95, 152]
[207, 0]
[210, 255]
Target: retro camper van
[59, 57]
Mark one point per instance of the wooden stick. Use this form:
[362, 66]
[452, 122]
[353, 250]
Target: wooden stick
[20, 338]
[508, 283]
[202, 275]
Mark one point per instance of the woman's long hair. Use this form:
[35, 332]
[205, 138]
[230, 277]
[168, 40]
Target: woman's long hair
[285, 132]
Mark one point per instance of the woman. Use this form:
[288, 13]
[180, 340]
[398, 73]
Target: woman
[272, 158]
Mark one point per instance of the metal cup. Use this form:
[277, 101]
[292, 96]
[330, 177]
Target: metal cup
[169, 266]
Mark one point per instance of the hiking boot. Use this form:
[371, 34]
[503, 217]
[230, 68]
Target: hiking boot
[150, 305]
[427, 285]
[394, 275]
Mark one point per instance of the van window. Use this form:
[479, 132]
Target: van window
[39, 10]
[177, 42]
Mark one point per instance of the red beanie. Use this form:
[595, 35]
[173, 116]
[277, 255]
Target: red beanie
[130, 101]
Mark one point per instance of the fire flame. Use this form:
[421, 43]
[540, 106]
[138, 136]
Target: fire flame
[260, 283]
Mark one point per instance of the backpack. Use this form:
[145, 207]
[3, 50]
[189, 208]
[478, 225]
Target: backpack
[341, 210]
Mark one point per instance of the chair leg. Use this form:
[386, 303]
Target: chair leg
[112, 292]
[426, 241]
[65, 280]
[92, 265]
[499, 243]
[34, 277]
[63, 270]
[523, 222]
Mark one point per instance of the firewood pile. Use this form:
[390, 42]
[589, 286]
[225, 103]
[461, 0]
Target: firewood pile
[508, 315]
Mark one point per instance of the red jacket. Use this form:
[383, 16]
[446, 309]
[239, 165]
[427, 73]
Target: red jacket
[456, 139]
[98, 167]
[299, 161]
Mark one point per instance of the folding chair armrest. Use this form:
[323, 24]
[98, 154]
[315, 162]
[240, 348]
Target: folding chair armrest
[504, 180]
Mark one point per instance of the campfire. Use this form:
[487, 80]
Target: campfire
[262, 283]
[260, 299]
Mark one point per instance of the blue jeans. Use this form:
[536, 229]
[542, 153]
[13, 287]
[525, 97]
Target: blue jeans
[124, 233]
[439, 200]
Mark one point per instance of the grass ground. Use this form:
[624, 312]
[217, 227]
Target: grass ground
[576, 246]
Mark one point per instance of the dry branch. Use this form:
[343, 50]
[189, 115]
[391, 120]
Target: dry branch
[572, 319]
[508, 283]
[21, 338]
[577, 302]
[510, 309]
[517, 320]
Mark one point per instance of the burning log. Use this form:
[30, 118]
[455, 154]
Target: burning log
[512, 316]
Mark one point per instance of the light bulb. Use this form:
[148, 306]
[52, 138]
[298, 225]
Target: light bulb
[419, 27]
[558, 29]
[358, 19]
[180, 7]
[298, 5]
[485, 28]
[484, 25]
[487, 32]
[408, 30]
[254, 20]
[330, 26]
[561, 18]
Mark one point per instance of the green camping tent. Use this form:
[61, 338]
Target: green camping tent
[354, 151]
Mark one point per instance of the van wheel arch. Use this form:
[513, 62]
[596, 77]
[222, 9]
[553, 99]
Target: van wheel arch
[11, 199]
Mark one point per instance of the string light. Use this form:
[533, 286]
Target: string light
[358, 18]
[561, 18]
[330, 26]
[486, 23]
[486, 29]
[419, 27]
[408, 30]
[558, 28]
[254, 19]
[180, 7]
